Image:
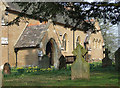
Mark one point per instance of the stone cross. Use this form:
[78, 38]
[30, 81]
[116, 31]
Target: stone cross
[106, 52]
[80, 68]
[106, 61]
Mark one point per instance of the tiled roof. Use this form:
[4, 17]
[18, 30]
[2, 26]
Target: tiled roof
[31, 36]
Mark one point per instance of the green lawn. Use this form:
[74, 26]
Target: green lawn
[98, 77]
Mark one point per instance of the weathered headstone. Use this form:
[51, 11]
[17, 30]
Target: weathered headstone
[62, 61]
[106, 61]
[44, 62]
[80, 68]
[6, 69]
[117, 60]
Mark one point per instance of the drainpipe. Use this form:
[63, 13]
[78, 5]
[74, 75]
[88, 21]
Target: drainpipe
[16, 51]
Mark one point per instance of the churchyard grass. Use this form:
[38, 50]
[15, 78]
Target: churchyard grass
[49, 77]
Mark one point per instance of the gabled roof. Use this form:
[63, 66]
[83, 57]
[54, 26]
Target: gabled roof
[31, 36]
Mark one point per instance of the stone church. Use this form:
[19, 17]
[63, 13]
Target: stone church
[24, 44]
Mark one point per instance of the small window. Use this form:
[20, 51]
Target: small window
[78, 41]
[4, 20]
[94, 43]
[99, 44]
[64, 42]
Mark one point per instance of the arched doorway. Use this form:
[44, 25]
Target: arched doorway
[51, 52]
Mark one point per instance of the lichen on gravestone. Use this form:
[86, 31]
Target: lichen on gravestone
[80, 68]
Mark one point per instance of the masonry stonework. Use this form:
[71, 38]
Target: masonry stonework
[53, 34]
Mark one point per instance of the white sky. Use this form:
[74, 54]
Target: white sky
[110, 1]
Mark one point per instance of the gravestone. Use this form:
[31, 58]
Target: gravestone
[106, 61]
[62, 61]
[44, 62]
[117, 60]
[6, 69]
[80, 68]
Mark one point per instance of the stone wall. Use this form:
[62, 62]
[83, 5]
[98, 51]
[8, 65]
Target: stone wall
[13, 32]
[27, 57]
[2, 8]
[61, 31]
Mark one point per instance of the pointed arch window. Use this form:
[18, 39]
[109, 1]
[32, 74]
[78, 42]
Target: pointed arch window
[94, 43]
[78, 41]
[64, 42]
[99, 42]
